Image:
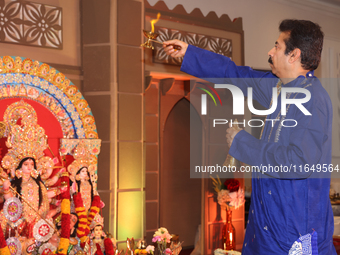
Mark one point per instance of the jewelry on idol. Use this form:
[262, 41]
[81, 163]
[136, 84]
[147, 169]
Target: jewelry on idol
[18, 173]
[78, 177]
[35, 173]
[6, 191]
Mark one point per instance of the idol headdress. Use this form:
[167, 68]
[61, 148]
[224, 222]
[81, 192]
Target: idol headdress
[97, 221]
[83, 158]
[25, 139]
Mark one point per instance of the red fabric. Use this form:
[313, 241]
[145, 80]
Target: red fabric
[99, 251]
[82, 245]
[108, 246]
[3, 243]
[66, 194]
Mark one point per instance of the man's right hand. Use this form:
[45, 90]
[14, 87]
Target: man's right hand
[169, 49]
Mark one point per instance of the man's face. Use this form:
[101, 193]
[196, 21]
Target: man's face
[279, 61]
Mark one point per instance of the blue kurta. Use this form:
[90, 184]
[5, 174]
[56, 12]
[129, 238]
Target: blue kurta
[283, 206]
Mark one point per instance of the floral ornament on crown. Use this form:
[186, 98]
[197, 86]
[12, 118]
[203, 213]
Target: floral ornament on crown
[229, 194]
[98, 220]
[25, 140]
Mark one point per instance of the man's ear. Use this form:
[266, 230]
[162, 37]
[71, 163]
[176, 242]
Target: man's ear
[294, 55]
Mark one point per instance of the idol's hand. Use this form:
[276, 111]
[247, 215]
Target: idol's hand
[7, 184]
[169, 48]
[231, 132]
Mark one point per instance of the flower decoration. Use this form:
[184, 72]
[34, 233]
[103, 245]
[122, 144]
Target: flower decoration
[141, 251]
[162, 237]
[150, 249]
[229, 194]
[232, 185]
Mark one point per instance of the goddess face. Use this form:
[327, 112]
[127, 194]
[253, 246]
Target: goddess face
[83, 174]
[73, 220]
[98, 231]
[27, 166]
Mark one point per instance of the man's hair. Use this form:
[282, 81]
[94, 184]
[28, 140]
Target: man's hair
[306, 36]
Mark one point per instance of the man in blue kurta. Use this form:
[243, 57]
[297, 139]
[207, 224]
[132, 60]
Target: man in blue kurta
[290, 213]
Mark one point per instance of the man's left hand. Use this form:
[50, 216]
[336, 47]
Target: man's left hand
[231, 132]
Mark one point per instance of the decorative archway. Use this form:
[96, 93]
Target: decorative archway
[60, 107]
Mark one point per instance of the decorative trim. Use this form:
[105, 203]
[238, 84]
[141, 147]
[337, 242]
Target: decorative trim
[31, 24]
[179, 14]
[37, 81]
[221, 46]
[196, 17]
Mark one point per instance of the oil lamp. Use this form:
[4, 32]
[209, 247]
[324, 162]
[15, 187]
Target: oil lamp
[151, 36]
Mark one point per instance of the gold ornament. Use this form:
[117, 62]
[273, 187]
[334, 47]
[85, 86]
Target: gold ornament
[97, 220]
[25, 140]
[18, 173]
[2, 129]
[83, 158]
[35, 173]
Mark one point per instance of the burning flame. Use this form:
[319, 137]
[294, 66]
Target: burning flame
[154, 21]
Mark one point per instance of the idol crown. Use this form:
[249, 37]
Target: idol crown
[25, 138]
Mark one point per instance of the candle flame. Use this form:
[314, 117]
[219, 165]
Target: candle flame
[154, 21]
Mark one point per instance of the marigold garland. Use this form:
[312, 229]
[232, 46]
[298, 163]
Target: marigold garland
[65, 228]
[3, 245]
[82, 231]
[65, 219]
[84, 221]
[93, 211]
[65, 206]
[63, 245]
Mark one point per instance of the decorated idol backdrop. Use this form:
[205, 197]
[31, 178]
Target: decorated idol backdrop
[49, 147]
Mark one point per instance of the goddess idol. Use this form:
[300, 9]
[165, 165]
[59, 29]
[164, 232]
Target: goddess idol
[26, 143]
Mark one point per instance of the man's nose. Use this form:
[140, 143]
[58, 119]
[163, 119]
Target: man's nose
[270, 53]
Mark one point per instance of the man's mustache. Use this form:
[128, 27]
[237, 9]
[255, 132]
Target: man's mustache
[270, 61]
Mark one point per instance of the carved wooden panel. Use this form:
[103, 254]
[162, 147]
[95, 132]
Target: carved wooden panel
[221, 46]
[31, 24]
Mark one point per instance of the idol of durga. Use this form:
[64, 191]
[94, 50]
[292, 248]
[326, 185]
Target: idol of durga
[48, 164]
[26, 164]
[33, 197]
